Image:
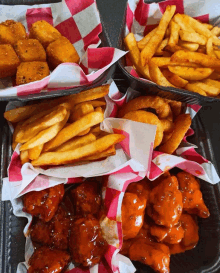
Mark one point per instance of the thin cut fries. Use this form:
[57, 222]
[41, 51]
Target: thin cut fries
[98, 146]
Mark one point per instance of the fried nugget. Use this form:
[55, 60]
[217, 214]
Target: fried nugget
[11, 32]
[30, 50]
[31, 71]
[8, 61]
[44, 32]
[61, 51]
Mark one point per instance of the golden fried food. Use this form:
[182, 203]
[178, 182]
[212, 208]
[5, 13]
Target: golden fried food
[163, 196]
[86, 243]
[61, 51]
[43, 203]
[35, 152]
[44, 32]
[8, 61]
[87, 198]
[181, 125]
[150, 118]
[11, 32]
[132, 211]
[161, 107]
[30, 50]
[176, 80]
[192, 197]
[48, 260]
[31, 71]
[24, 157]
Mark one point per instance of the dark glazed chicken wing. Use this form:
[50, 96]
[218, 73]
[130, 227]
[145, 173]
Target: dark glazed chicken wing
[132, 211]
[87, 198]
[47, 260]
[165, 203]
[192, 197]
[44, 203]
[86, 243]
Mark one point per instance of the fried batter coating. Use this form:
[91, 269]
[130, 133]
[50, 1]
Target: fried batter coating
[11, 32]
[132, 211]
[155, 255]
[54, 233]
[192, 197]
[87, 198]
[8, 61]
[165, 206]
[86, 243]
[47, 260]
[43, 203]
[44, 32]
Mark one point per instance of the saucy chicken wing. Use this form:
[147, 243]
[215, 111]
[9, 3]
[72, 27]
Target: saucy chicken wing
[192, 197]
[165, 202]
[132, 211]
[86, 243]
[47, 260]
[54, 233]
[44, 203]
[87, 198]
[142, 189]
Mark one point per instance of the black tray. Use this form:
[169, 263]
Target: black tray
[205, 258]
[153, 89]
[105, 42]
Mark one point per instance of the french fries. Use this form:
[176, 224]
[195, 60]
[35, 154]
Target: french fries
[184, 45]
[63, 125]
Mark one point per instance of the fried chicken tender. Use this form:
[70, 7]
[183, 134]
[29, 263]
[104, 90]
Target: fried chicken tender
[165, 203]
[191, 235]
[156, 255]
[54, 233]
[133, 210]
[87, 198]
[47, 260]
[44, 203]
[192, 197]
[86, 243]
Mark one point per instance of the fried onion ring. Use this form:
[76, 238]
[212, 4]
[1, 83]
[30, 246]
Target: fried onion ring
[150, 118]
[176, 107]
[167, 125]
[166, 136]
[181, 126]
[161, 107]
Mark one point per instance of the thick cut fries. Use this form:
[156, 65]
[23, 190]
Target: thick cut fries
[74, 129]
[215, 31]
[21, 113]
[26, 133]
[76, 142]
[174, 33]
[194, 88]
[191, 73]
[109, 152]
[178, 18]
[181, 126]
[188, 45]
[165, 61]
[161, 47]
[209, 48]
[98, 146]
[174, 79]
[157, 76]
[45, 135]
[24, 157]
[212, 83]
[192, 37]
[35, 152]
[142, 43]
[195, 57]
[81, 110]
[210, 90]
[97, 103]
[152, 45]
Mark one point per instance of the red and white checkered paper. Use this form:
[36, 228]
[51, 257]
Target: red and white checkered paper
[79, 21]
[141, 18]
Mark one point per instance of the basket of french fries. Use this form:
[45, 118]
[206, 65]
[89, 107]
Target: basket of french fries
[170, 52]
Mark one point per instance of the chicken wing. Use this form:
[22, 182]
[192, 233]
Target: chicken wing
[87, 198]
[86, 243]
[192, 197]
[165, 203]
[47, 260]
[132, 211]
[44, 203]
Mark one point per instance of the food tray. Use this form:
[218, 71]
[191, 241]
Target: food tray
[204, 258]
[105, 42]
[150, 88]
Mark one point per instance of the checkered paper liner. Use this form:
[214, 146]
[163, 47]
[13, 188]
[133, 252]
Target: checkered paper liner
[141, 18]
[79, 21]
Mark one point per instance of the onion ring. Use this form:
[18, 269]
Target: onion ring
[181, 126]
[176, 106]
[161, 107]
[167, 125]
[150, 118]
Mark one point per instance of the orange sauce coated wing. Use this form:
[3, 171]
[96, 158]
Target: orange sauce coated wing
[133, 210]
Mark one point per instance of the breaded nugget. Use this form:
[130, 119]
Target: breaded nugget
[31, 71]
[6, 35]
[61, 51]
[8, 61]
[17, 29]
[30, 50]
[44, 32]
